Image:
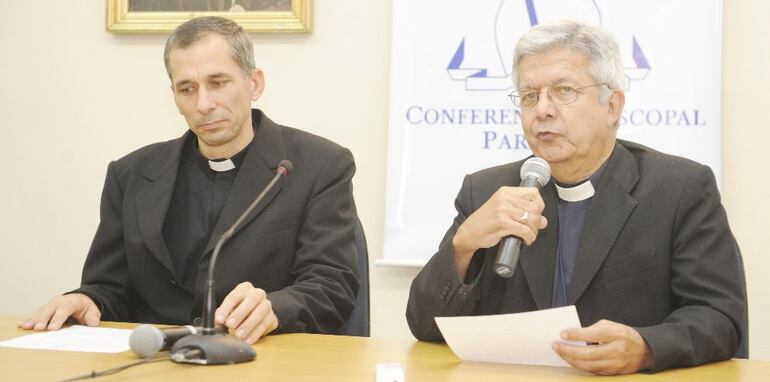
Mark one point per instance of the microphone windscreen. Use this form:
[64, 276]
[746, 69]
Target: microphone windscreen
[537, 168]
[146, 341]
[287, 165]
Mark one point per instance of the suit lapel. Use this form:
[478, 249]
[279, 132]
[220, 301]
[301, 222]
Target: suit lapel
[265, 151]
[538, 260]
[153, 201]
[607, 214]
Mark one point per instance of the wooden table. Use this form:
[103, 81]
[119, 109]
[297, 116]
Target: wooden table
[313, 357]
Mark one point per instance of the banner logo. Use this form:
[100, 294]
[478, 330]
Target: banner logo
[482, 60]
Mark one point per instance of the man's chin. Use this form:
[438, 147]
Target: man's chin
[551, 154]
[209, 135]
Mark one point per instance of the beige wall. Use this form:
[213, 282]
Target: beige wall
[745, 138]
[73, 97]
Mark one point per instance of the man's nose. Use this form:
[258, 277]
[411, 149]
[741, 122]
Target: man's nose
[205, 103]
[545, 108]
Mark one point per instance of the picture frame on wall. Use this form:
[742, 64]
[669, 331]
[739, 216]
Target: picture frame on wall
[163, 16]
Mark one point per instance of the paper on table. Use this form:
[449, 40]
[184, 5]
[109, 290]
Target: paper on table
[75, 338]
[520, 338]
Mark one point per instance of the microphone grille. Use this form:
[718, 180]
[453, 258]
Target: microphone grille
[287, 165]
[537, 168]
[146, 341]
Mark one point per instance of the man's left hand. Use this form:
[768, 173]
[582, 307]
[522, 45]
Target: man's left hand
[613, 349]
[248, 312]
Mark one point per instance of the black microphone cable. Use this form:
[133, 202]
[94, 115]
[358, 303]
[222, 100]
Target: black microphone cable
[114, 370]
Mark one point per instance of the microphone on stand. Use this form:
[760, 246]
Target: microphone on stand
[535, 172]
[208, 347]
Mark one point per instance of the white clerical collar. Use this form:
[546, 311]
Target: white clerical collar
[221, 166]
[577, 193]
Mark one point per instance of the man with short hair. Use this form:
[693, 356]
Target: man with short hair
[291, 266]
[638, 240]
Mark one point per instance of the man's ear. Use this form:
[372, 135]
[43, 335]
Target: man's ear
[257, 80]
[615, 104]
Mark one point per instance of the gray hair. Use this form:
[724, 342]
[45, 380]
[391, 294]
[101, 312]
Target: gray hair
[198, 28]
[601, 49]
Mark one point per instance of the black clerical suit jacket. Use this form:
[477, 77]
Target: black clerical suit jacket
[297, 245]
[656, 253]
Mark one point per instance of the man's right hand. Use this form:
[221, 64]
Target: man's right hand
[55, 313]
[500, 216]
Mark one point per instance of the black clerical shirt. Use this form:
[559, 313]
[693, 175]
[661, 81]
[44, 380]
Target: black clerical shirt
[199, 196]
[571, 215]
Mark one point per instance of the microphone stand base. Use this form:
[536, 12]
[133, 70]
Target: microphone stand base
[214, 349]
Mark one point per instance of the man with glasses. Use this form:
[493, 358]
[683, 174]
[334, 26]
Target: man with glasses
[638, 240]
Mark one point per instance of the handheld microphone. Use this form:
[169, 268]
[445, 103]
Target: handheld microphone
[535, 172]
[147, 340]
[207, 347]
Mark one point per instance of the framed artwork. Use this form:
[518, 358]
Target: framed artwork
[163, 16]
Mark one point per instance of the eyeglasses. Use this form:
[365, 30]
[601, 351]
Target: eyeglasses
[560, 95]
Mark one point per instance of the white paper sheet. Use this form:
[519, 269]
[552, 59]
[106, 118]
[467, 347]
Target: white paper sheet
[75, 338]
[389, 372]
[521, 338]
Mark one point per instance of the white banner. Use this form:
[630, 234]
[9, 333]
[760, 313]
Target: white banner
[451, 73]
